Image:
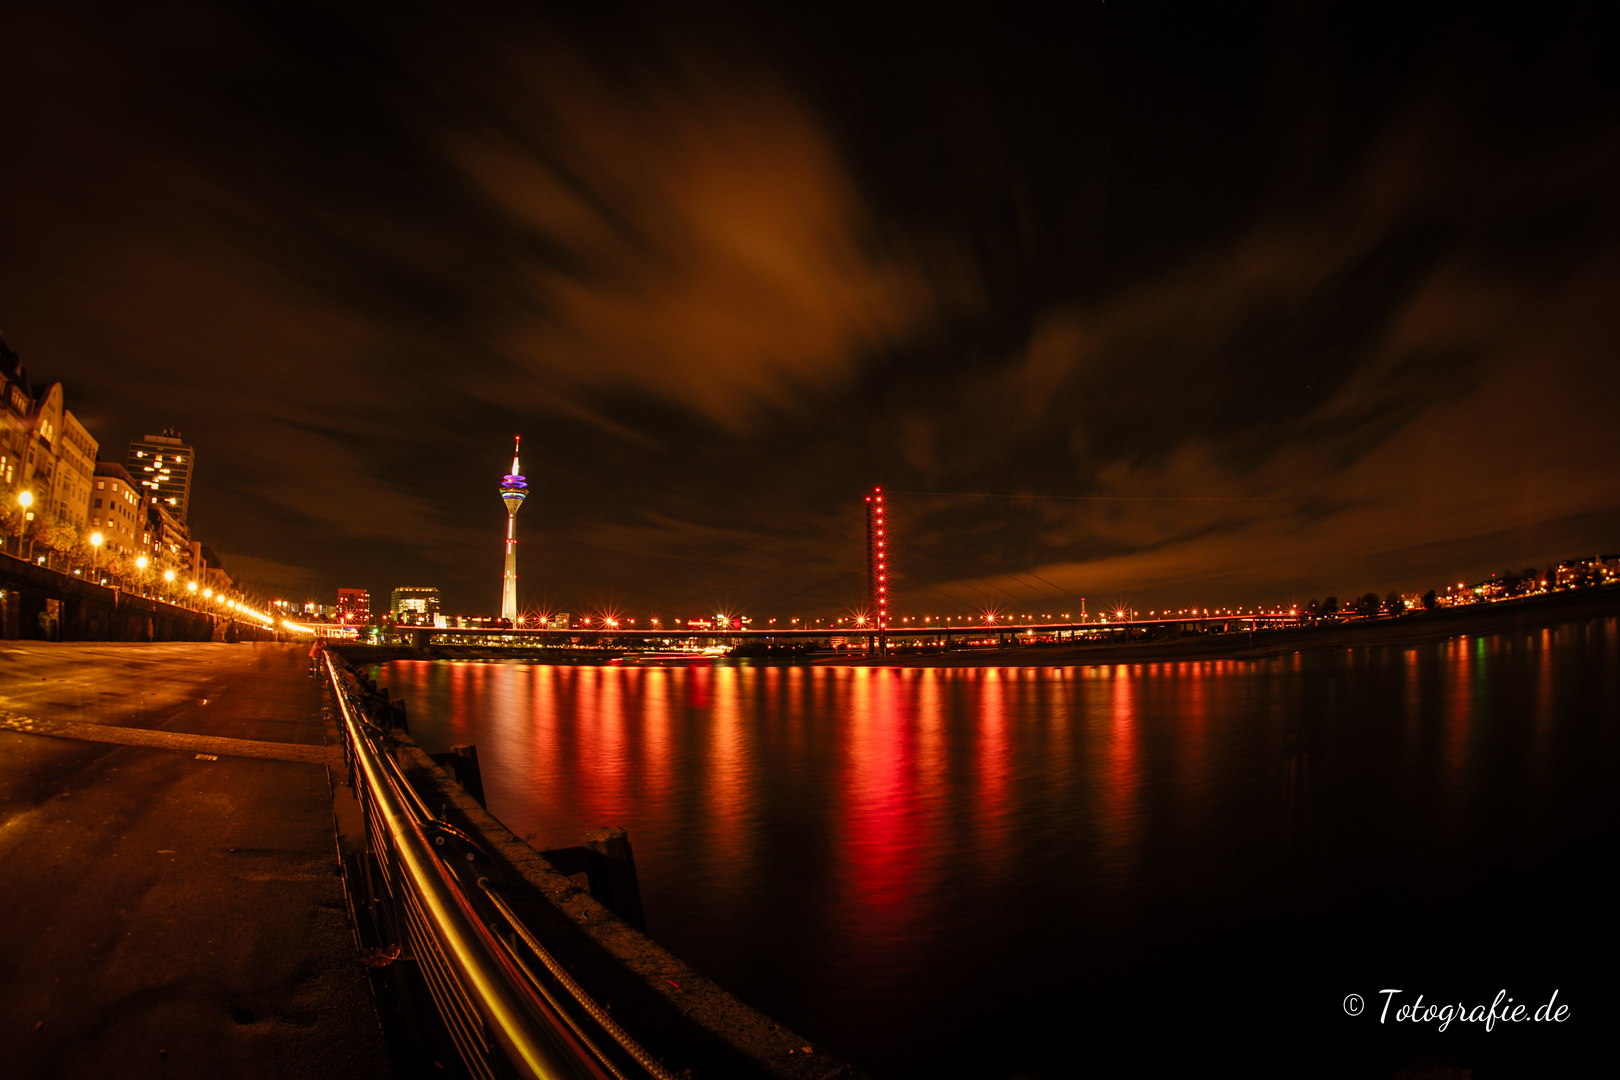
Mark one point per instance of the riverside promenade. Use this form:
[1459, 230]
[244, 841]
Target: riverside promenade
[171, 901]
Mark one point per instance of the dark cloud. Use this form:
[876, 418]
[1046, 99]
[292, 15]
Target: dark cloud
[1260, 307]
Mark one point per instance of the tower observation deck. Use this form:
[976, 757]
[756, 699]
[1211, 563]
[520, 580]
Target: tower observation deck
[514, 489]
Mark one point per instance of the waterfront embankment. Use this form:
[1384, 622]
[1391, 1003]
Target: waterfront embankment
[683, 1021]
[1166, 642]
[1411, 629]
[175, 820]
[171, 902]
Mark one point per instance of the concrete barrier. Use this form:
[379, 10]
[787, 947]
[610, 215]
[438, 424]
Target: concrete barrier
[41, 604]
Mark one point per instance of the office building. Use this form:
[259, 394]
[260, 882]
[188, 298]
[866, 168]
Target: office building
[162, 464]
[354, 605]
[415, 605]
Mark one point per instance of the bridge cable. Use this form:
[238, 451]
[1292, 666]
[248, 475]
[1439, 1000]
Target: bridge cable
[966, 576]
[962, 577]
[762, 573]
[1015, 568]
[1091, 498]
[813, 588]
[686, 566]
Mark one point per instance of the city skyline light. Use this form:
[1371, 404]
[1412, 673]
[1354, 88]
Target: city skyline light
[1244, 309]
[1037, 521]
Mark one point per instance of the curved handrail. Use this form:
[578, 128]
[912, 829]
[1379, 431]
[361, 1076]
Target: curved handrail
[537, 1041]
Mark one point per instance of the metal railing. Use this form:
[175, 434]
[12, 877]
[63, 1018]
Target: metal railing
[475, 955]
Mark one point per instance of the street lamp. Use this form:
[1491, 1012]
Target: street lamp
[95, 556]
[168, 583]
[26, 500]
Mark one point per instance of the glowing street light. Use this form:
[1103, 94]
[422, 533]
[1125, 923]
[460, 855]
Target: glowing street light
[95, 555]
[26, 500]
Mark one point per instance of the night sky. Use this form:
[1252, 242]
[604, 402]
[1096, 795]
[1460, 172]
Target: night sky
[1151, 306]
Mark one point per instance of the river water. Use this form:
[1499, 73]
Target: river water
[1073, 871]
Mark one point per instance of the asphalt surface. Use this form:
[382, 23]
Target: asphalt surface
[170, 897]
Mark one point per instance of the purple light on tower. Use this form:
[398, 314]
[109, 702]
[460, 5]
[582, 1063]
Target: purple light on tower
[514, 489]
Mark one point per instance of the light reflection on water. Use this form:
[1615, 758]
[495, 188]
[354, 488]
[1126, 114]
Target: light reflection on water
[921, 866]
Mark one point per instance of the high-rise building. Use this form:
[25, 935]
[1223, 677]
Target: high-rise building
[415, 605]
[162, 464]
[354, 605]
[514, 489]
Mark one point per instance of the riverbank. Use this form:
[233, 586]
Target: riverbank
[684, 1020]
[172, 897]
[1415, 628]
[1409, 629]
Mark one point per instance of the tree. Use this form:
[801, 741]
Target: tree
[1430, 601]
[1368, 604]
[118, 565]
[61, 537]
[1330, 607]
[1393, 603]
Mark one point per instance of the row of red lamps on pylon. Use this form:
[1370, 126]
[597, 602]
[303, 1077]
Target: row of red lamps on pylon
[880, 558]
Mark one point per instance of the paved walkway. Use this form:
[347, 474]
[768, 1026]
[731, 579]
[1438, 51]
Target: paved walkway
[170, 901]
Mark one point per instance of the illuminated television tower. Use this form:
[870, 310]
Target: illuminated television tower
[514, 489]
